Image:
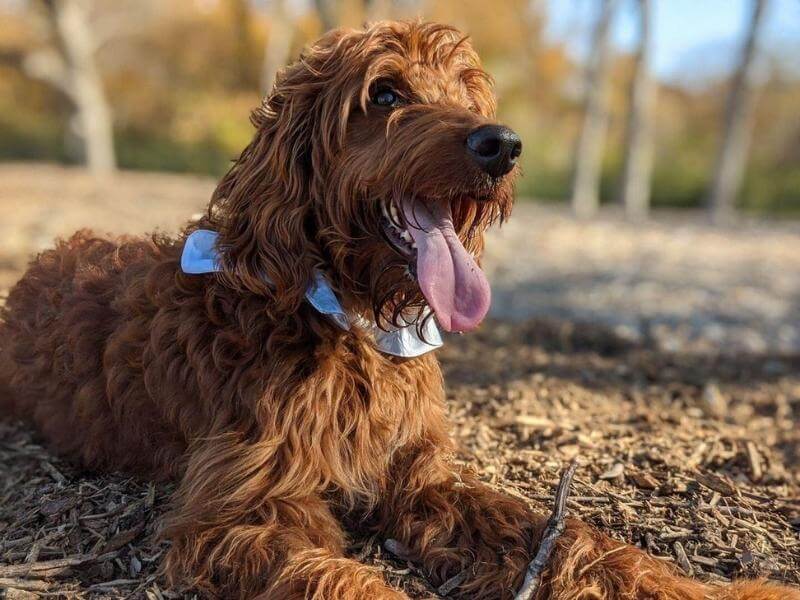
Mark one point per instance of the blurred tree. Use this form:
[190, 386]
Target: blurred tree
[634, 191]
[532, 21]
[732, 156]
[326, 11]
[245, 64]
[171, 72]
[589, 152]
[279, 43]
[70, 66]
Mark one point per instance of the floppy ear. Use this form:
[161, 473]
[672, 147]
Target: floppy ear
[263, 207]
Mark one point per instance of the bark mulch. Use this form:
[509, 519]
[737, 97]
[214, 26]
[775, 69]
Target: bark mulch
[691, 456]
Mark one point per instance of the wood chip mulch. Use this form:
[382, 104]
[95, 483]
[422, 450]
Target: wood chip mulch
[694, 457]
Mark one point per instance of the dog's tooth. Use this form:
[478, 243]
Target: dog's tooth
[406, 236]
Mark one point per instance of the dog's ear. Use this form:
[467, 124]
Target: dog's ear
[263, 206]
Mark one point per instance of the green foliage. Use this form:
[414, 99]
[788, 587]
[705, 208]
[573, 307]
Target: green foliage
[23, 136]
[772, 191]
[546, 185]
[679, 181]
[679, 184]
[144, 151]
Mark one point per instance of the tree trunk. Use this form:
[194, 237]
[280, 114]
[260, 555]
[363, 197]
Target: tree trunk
[532, 20]
[279, 44]
[71, 25]
[245, 68]
[326, 10]
[732, 157]
[634, 193]
[589, 152]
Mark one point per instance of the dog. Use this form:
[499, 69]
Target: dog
[275, 358]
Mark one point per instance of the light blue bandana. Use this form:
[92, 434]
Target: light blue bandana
[200, 255]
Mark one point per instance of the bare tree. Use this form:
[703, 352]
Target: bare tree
[634, 192]
[326, 9]
[279, 43]
[71, 68]
[245, 67]
[589, 152]
[532, 21]
[732, 156]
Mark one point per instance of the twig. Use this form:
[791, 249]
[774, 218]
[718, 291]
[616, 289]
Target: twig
[44, 568]
[53, 472]
[27, 585]
[683, 560]
[555, 527]
[50, 568]
[452, 583]
[397, 548]
[754, 458]
[112, 584]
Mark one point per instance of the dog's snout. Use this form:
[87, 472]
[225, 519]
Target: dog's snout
[495, 148]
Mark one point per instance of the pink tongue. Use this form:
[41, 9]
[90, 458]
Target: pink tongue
[448, 276]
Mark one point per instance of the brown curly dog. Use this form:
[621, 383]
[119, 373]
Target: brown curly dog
[375, 169]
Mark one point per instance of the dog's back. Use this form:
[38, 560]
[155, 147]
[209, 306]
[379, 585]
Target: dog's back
[58, 324]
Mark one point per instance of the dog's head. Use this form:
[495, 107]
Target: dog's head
[376, 159]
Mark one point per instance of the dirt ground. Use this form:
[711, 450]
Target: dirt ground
[664, 356]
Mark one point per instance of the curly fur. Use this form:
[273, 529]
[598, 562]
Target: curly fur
[284, 430]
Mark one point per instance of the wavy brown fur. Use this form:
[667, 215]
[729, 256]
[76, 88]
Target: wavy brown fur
[280, 426]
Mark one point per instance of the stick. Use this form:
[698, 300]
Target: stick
[27, 585]
[452, 583]
[555, 527]
[50, 568]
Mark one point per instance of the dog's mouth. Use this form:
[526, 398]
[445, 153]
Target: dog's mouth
[396, 232]
[448, 276]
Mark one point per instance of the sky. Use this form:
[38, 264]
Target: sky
[691, 38]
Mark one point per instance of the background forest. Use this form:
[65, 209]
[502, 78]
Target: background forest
[149, 85]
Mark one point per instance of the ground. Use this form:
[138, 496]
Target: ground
[664, 356]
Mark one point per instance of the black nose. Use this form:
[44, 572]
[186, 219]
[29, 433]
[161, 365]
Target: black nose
[495, 148]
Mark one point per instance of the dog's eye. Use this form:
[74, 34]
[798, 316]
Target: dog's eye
[385, 97]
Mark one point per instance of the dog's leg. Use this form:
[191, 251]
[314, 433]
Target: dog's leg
[238, 532]
[478, 543]
[462, 531]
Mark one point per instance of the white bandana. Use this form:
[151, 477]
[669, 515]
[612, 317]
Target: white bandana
[200, 256]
